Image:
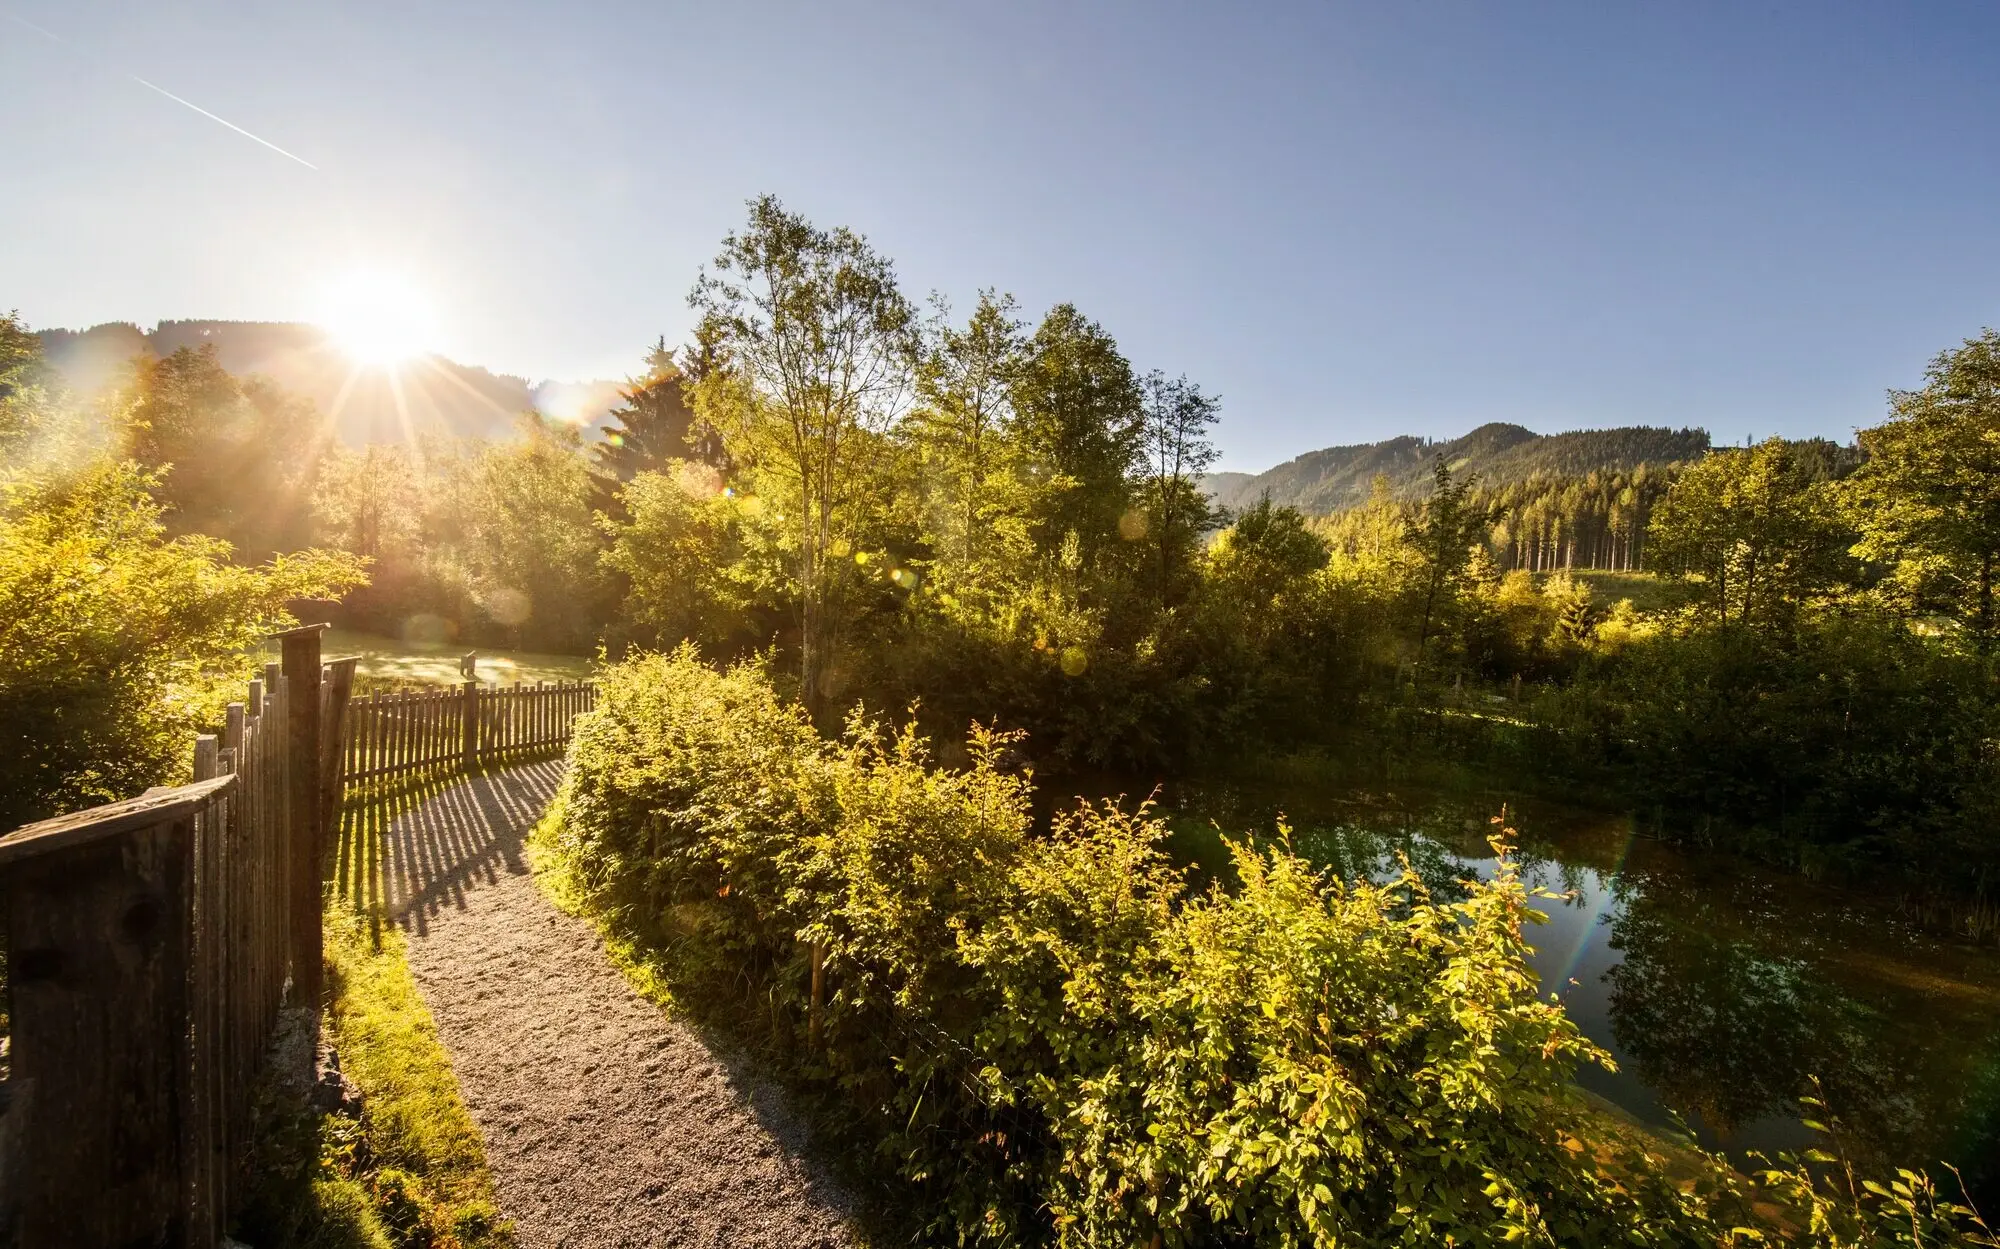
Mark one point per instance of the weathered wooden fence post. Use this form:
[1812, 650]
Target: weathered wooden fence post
[103, 1075]
[468, 738]
[300, 649]
[339, 689]
[149, 941]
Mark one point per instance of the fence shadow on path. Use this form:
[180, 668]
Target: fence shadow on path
[408, 853]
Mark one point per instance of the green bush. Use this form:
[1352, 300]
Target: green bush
[1050, 1039]
[118, 644]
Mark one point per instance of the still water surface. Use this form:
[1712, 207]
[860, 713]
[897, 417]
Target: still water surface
[1720, 988]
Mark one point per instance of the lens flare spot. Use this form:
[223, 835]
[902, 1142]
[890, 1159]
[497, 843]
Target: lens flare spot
[507, 606]
[427, 628]
[1132, 525]
[1074, 661]
[698, 481]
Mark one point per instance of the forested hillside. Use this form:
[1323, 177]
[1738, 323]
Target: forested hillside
[437, 396]
[1581, 499]
[1333, 478]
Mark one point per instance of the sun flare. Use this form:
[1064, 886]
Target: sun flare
[377, 318]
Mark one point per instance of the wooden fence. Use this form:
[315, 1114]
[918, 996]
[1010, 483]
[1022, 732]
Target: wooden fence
[151, 944]
[472, 725]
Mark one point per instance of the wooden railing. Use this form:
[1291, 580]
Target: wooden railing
[470, 726]
[152, 944]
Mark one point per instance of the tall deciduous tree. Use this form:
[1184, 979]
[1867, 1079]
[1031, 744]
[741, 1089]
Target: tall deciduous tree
[1078, 423]
[1927, 501]
[965, 410]
[24, 385]
[530, 544]
[1753, 531]
[235, 459]
[820, 343]
[1176, 418]
[1266, 551]
[1447, 528]
[673, 551]
[374, 502]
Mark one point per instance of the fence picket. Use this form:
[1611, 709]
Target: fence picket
[394, 733]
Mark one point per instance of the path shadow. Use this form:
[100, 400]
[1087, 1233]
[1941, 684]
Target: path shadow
[409, 853]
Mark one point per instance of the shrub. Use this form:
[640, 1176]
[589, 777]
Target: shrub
[117, 643]
[1051, 1039]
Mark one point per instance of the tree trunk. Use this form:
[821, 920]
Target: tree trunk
[1985, 602]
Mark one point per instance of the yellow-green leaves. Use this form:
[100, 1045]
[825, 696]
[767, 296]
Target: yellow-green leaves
[1046, 1039]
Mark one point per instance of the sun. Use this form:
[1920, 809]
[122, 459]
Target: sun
[377, 318]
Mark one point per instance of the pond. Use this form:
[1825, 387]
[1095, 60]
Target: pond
[1721, 989]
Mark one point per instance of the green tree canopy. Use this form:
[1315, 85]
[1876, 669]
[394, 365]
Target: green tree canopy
[1753, 532]
[820, 344]
[1447, 529]
[233, 459]
[528, 537]
[962, 426]
[674, 550]
[24, 378]
[1079, 423]
[1267, 550]
[1927, 502]
[1174, 454]
[119, 643]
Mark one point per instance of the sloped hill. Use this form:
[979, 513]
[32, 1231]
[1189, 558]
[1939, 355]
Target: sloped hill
[431, 395]
[1337, 477]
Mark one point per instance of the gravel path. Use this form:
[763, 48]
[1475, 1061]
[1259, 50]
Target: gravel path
[606, 1122]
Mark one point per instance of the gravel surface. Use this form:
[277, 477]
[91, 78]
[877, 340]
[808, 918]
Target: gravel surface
[607, 1123]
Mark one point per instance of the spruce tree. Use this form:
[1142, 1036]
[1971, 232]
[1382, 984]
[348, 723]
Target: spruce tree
[654, 426]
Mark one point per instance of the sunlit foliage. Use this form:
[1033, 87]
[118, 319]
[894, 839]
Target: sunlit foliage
[119, 643]
[1051, 1039]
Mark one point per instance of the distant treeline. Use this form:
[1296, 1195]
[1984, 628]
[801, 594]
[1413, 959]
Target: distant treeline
[431, 397]
[1335, 478]
[1593, 520]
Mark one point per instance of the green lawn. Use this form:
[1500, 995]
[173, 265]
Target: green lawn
[1647, 591]
[390, 662]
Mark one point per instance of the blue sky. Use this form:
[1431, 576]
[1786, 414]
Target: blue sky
[1350, 220]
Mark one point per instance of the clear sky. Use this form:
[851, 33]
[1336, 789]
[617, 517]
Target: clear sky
[1351, 220]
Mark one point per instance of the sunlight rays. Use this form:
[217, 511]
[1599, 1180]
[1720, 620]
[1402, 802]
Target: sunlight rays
[378, 318]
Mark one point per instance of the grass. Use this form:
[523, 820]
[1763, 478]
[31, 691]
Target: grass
[388, 662]
[1648, 592]
[411, 1172]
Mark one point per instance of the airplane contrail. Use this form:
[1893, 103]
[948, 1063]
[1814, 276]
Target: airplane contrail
[22, 21]
[225, 121]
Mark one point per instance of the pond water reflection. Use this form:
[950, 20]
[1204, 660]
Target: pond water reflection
[1721, 988]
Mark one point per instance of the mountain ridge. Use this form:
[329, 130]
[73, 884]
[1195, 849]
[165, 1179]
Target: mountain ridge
[1333, 478]
[429, 395]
